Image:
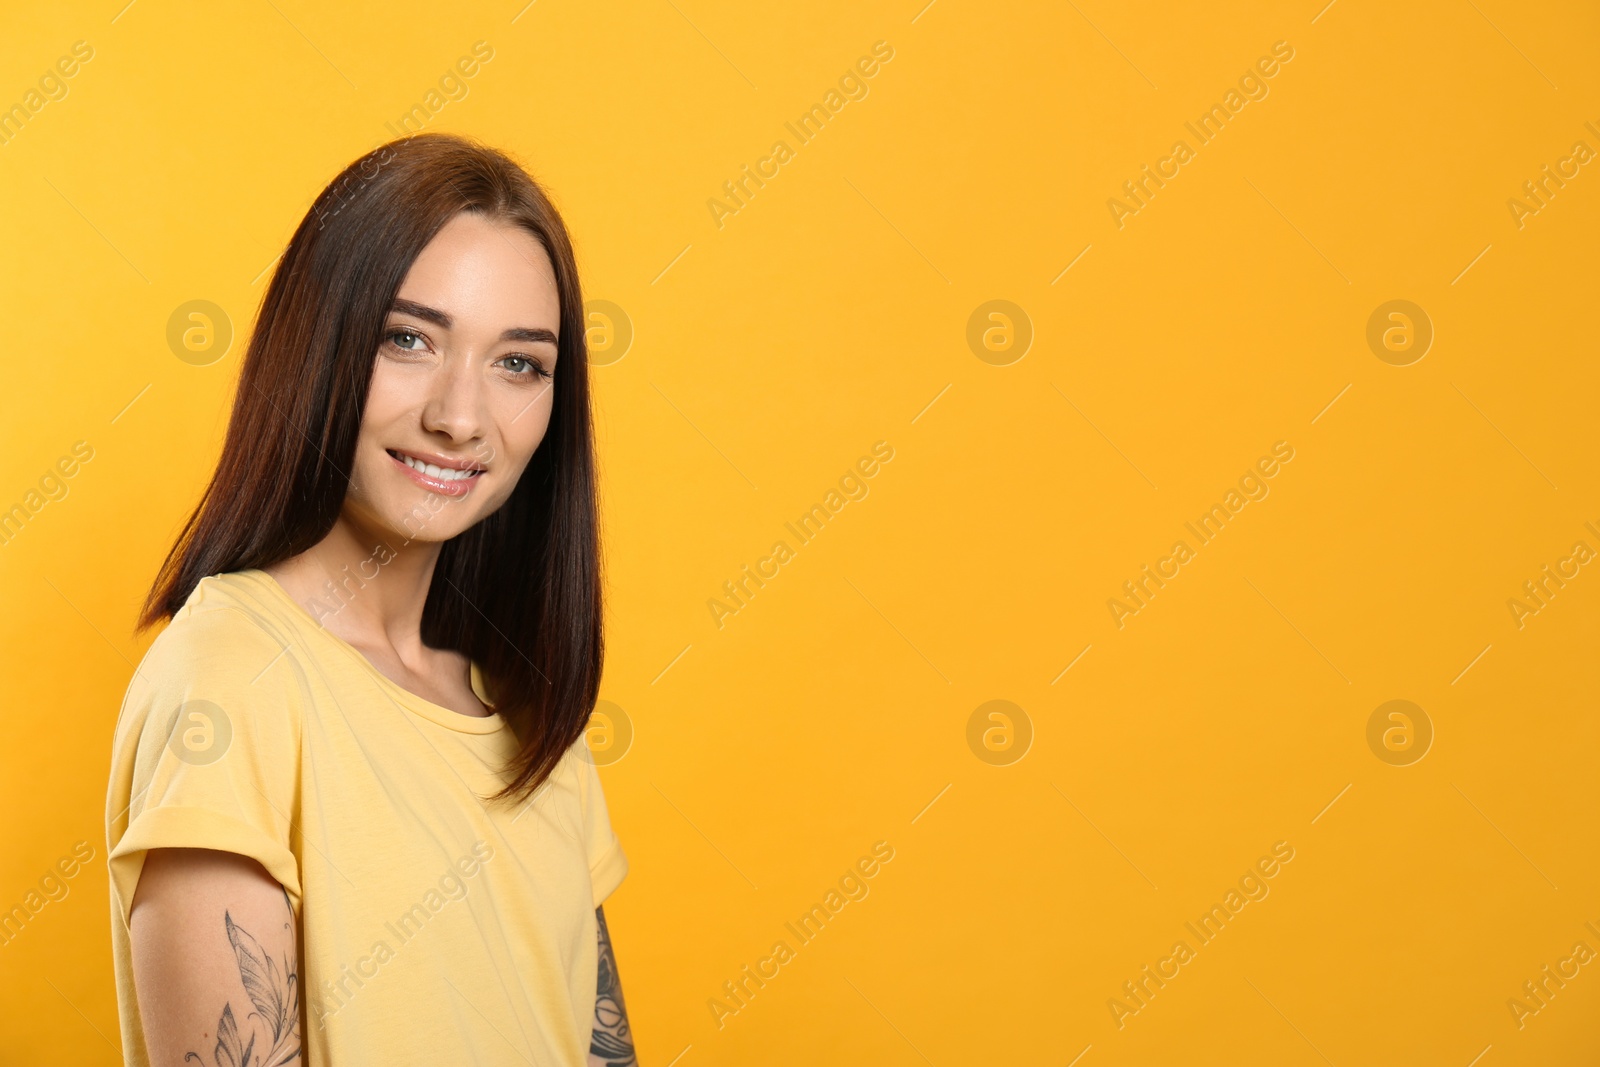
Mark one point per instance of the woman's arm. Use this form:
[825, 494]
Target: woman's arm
[612, 1042]
[214, 963]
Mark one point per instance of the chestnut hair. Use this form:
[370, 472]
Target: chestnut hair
[519, 593]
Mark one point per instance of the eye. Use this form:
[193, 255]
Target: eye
[402, 339]
[523, 367]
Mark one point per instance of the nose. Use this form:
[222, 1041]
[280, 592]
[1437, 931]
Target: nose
[455, 403]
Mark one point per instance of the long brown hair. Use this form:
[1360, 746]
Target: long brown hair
[520, 591]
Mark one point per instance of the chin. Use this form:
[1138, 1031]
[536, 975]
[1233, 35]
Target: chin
[432, 519]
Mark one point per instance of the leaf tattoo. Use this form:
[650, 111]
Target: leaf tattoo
[228, 1053]
[276, 997]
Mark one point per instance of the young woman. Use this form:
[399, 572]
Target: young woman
[352, 818]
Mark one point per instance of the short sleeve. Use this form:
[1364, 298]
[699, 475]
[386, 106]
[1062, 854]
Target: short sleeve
[608, 865]
[207, 750]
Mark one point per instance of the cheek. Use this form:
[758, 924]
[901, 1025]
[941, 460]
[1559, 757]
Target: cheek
[391, 412]
[393, 390]
[393, 399]
[523, 421]
[386, 407]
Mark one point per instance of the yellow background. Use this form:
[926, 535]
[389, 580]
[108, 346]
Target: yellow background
[769, 354]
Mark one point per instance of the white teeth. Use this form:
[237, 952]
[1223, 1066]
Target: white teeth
[443, 474]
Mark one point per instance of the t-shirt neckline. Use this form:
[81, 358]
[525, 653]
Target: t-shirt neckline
[448, 717]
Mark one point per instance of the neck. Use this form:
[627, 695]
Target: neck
[365, 585]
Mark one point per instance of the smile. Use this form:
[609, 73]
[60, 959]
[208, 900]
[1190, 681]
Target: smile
[451, 480]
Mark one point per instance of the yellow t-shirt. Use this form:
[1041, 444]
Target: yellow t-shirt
[434, 927]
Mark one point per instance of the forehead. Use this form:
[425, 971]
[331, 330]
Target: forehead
[484, 274]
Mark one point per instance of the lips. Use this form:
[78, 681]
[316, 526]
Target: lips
[449, 478]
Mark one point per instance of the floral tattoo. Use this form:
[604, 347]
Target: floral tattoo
[274, 992]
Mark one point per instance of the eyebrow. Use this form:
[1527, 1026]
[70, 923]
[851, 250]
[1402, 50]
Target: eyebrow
[439, 318]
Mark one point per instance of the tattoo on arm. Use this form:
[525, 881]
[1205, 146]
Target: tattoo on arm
[276, 997]
[612, 1041]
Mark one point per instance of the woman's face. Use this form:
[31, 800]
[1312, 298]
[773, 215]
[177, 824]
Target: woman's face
[462, 384]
